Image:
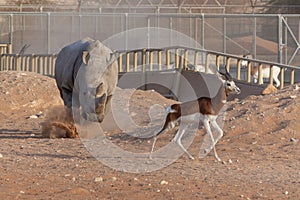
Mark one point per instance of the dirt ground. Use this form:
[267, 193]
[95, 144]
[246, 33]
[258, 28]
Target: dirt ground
[260, 151]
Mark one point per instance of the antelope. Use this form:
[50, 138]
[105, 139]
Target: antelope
[207, 109]
[266, 73]
[200, 68]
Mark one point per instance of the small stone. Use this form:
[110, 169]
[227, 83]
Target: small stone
[113, 178]
[32, 117]
[67, 175]
[286, 193]
[1, 156]
[293, 140]
[269, 90]
[293, 96]
[22, 192]
[73, 179]
[98, 179]
[163, 182]
[230, 161]
[135, 179]
[232, 119]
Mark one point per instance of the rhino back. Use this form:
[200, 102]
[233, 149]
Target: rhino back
[68, 63]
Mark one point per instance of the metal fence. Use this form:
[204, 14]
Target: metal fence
[266, 37]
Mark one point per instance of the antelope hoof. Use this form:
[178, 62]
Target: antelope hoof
[191, 157]
[150, 157]
[218, 159]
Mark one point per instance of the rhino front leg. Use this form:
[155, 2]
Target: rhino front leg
[67, 97]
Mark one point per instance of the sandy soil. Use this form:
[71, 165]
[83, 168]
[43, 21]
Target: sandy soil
[260, 151]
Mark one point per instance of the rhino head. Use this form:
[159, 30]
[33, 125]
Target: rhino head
[97, 78]
[93, 103]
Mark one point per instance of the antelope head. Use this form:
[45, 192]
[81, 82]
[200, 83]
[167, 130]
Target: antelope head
[228, 82]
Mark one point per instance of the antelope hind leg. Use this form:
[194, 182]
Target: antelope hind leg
[209, 132]
[220, 135]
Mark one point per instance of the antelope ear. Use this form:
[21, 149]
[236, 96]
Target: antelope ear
[85, 57]
[221, 75]
[228, 76]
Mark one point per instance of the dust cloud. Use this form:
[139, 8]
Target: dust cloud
[59, 123]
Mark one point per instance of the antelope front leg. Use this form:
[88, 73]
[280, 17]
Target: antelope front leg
[177, 139]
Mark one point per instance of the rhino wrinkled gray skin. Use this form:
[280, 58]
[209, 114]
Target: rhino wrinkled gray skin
[86, 74]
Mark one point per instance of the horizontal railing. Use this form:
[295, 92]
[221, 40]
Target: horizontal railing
[157, 59]
[179, 57]
[42, 64]
[5, 48]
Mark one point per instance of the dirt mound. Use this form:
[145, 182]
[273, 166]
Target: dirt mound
[275, 112]
[26, 93]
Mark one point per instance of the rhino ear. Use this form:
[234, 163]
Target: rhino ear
[100, 90]
[85, 57]
[110, 58]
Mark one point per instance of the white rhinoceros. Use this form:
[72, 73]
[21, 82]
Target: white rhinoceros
[86, 73]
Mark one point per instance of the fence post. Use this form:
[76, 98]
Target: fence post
[292, 76]
[127, 61]
[144, 74]
[249, 72]
[217, 62]
[279, 39]
[54, 57]
[120, 62]
[238, 73]
[150, 60]
[1, 62]
[168, 58]
[176, 58]
[48, 32]
[159, 59]
[271, 74]
[281, 77]
[196, 59]
[260, 78]
[135, 61]
[228, 63]
[18, 62]
[207, 63]
[9, 48]
[185, 63]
